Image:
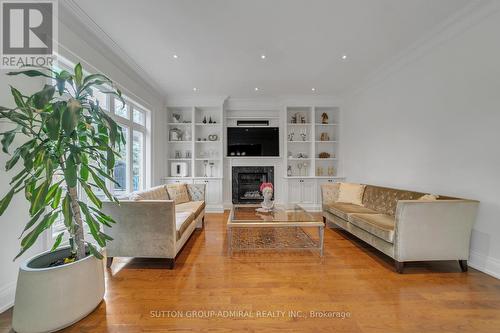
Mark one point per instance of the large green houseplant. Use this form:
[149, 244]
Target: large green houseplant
[71, 144]
[66, 156]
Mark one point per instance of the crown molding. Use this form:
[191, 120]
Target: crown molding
[76, 19]
[474, 12]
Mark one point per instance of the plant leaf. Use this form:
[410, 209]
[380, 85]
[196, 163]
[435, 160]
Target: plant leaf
[18, 98]
[95, 200]
[41, 98]
[4, 203]
[30, 73]
[78, 75]
[67, 212]
[57, 198]
[57, 242]
[38, 197]
[69, 119]
[94, 251]
[33, 221]
[70, 171]
[6, 141]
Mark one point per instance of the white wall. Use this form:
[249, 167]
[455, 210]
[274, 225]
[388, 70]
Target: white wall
[434, 126]
[16, 216]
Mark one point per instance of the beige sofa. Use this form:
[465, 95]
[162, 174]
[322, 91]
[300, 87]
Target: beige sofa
[403, 227]
[150, 225]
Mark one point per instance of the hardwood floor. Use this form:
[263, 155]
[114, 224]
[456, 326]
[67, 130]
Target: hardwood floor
[352, 278]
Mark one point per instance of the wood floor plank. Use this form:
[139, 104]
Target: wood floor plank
[351, 278]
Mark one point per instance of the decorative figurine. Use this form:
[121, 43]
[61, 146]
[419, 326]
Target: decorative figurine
[210, 120]
[324, 155]
[290, 136]
[204, 120]
[324, 137]
[176, 118]
[289, 171]
[324, 118]
[303, 135]
[267, 192]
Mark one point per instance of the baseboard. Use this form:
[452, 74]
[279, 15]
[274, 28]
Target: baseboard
[7, 295]
[485, 264]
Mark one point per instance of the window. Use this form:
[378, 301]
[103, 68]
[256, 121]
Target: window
[121, 110]
[120, 173]
[137, 160]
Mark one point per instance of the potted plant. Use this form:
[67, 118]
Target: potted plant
[69, 151]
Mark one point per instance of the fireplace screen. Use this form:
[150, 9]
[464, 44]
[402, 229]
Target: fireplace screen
[246, 183]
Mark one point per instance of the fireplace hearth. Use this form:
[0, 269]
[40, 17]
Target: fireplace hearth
[246, 183]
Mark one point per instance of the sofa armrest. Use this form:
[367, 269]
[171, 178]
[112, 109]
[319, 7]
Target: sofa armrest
[143, 228]
[434, 230]
[196, 191]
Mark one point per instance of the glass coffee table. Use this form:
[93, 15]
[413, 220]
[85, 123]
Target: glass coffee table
[281, 229]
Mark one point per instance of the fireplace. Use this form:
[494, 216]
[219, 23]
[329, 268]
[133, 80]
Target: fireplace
[247, 180]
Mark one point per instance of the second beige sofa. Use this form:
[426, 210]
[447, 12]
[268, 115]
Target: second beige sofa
[403, 227]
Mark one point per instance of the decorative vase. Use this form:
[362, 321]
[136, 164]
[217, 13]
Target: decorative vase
[52, 298]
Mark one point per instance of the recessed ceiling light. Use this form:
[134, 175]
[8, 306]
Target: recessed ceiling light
[195, 89]
[175, 56]
[256, 89]
[263, 56]
[344, 57]
[313, 89]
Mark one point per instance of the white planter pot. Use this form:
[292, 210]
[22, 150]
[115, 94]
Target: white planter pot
[50, 299]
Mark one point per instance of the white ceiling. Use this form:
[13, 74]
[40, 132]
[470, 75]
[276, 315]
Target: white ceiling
[219, 42]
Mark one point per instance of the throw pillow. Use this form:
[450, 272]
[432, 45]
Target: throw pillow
[178, 193]
[154, 193]
[429, 197]
[351, 193]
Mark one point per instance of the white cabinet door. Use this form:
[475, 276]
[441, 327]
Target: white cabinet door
[308, 191]
[294, 191]
[213, 191]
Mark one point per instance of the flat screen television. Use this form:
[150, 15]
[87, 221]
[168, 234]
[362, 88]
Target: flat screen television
[253, 141]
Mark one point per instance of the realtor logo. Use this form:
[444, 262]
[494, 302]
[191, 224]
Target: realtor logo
[29, 33]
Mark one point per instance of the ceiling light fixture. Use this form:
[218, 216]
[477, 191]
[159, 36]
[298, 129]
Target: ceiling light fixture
[195, 89]
[263, 56]
[175, 56]
[344, 57]
[256, 89]
[313, 89]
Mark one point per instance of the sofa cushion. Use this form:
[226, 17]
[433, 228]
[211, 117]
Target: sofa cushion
[195, 207]
[182, 222]
[351, 193]
[154, 193]
[343, 210]
[384, 200]
[178, 193]
[380, 225]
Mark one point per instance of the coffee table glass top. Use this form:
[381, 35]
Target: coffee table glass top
[248, 213]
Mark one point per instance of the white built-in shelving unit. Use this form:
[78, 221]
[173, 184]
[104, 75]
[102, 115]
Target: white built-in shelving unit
[200, 146]
[306, 137]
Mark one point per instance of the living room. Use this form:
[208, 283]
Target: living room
[237, 165]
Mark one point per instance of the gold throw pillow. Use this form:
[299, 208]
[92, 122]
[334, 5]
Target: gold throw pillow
[178, 193]
[351, 193]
